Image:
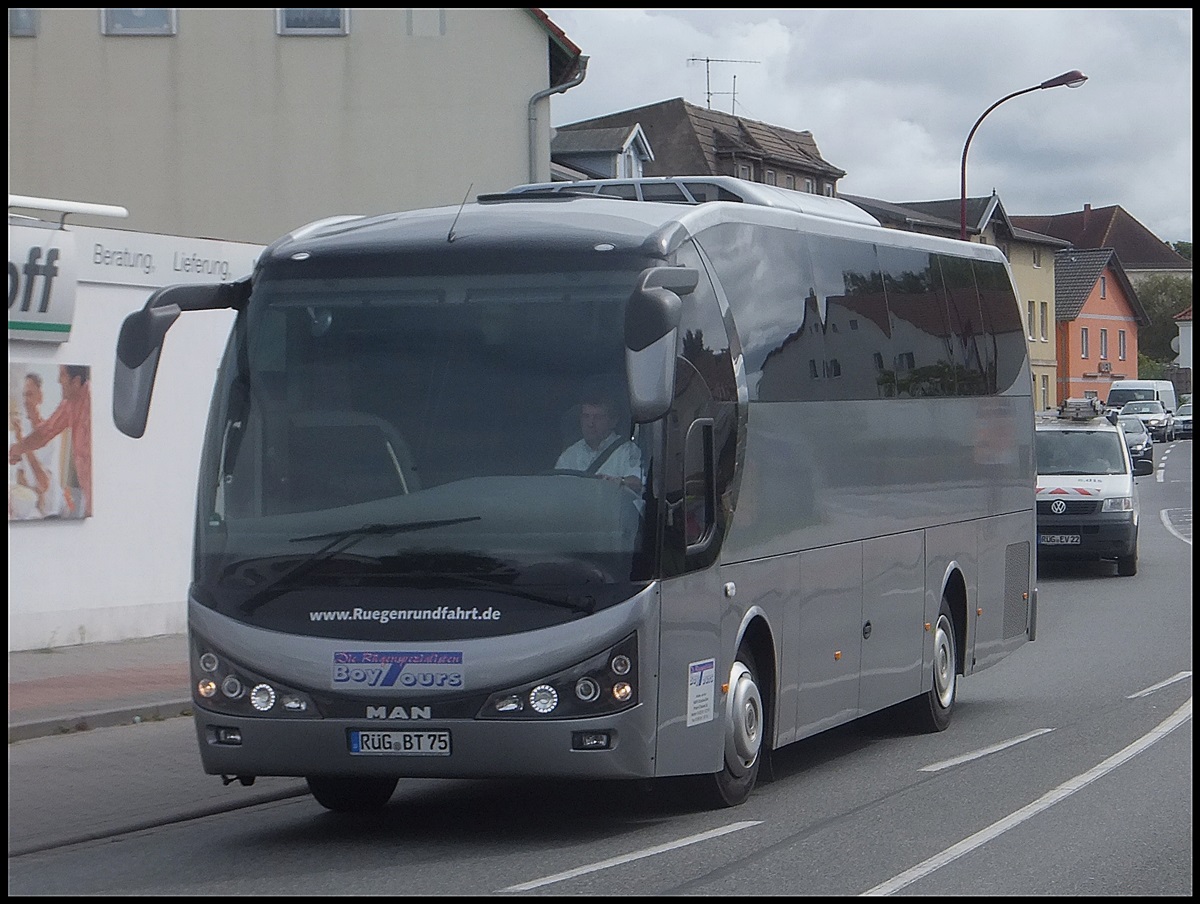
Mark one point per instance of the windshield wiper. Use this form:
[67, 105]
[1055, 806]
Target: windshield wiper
[339, 542]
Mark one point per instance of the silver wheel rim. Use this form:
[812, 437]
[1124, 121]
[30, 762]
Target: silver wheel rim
[743, 721]
[944, 674]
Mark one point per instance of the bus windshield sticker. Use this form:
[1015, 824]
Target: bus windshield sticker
[701, 684]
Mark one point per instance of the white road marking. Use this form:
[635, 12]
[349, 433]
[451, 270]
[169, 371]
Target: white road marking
[1063, 791]
[1180, 676]
[629, 858]
[979, 754]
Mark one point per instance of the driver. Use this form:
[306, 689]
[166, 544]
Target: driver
[601, 451]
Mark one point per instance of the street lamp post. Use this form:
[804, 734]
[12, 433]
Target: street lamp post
[1072, 79]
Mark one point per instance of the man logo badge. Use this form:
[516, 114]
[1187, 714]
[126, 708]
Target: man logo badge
[400, 712]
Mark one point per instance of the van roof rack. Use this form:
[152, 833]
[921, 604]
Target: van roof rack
[1081, 409]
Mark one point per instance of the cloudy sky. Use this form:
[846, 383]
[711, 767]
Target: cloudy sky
[890, 95]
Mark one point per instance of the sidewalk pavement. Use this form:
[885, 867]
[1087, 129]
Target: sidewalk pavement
[97, 685]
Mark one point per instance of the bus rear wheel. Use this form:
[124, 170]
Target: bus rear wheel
[744, 731]
[931, 711]
[351, 795]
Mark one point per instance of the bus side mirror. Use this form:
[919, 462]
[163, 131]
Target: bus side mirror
[652, 317]
[139, 347]
[140, 343]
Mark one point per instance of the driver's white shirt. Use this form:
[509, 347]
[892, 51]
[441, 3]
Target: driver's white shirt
[625, 460]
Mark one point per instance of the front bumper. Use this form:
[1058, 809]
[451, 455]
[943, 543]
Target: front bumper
[1107, 539]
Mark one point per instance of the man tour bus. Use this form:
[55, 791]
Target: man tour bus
[832, 514]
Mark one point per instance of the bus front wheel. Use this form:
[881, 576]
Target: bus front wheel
[351, 795]
[744, 729]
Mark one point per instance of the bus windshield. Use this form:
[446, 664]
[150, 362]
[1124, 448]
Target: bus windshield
[384, 436]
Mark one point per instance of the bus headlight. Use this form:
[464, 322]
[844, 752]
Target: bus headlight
[604, 684]
[232, 689]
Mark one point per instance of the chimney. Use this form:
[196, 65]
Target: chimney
[1087, 209]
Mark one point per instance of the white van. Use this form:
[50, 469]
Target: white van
[1087, 498]
[1122, 391]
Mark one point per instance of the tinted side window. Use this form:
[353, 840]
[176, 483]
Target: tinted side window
[1002, 320]
[628, 191]
[767, 278]
[974, 354]
[922, 342]
[859, 327]
[665, 191]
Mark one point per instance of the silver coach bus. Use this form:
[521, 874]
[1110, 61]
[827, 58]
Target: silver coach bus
[395, 576]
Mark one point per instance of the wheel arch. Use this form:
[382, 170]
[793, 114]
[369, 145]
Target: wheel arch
[756, 634]
[954, 592]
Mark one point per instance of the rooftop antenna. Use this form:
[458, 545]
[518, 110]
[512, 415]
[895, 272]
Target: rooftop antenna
[454, 222]
[708, 61]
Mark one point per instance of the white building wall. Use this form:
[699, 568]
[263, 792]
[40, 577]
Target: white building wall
[124, 572]
[228, 129]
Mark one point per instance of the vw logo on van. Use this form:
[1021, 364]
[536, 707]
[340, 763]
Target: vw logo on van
[1058, 506]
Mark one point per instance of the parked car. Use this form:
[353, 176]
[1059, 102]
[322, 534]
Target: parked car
[1087, 499]
[1137, 437]
[1158, 420]
[1183, 420]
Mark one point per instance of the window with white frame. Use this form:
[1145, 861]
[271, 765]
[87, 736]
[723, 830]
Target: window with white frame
[1044, 321]
[22, 23]
[1037, 256]
[1029, 318]
[829, 189]
[312, 22]
[1121, 345]
[810, 186]
[1045, 391]
[1083, 342]
[789, 181]
[770, 177]
[138, 21]
[1103, 343]
[744, 171]
[1104, 287]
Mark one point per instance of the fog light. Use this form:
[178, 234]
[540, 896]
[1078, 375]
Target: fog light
[206, 687]
[293, 704]
[586, 689]
[229, 736]
[208, 662]
[622, 691]
[621, 665]
[262, 697]
[543, 698]
[590, 740]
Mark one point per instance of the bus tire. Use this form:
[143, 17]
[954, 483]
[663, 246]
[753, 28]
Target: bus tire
[931, 711]
[351, 795]
[745, 724]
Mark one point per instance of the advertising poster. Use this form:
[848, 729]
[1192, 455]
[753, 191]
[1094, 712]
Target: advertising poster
[49, 441]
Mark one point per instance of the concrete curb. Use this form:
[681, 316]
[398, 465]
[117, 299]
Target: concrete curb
[60, 725]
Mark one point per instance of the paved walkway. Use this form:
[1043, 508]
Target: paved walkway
[96, 685]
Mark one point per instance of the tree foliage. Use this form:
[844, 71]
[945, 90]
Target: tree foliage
[1183, 249]
[1163, 296]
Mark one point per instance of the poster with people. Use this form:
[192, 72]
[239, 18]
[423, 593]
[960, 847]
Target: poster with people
[49, 441]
